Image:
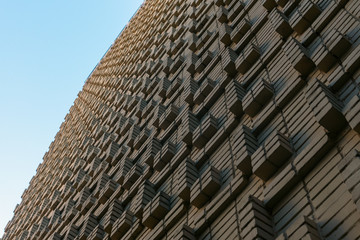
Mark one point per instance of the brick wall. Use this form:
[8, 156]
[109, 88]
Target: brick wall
[213, 119]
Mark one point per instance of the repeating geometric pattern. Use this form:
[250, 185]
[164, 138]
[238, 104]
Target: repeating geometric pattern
[210, 119]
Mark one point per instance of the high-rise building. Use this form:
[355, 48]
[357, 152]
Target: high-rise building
[210, 119]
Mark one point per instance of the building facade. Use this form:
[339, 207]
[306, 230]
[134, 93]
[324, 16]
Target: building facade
[210, 119]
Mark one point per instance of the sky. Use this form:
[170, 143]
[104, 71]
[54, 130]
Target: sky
[47, 50]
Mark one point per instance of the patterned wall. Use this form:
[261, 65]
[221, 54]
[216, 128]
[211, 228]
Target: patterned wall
[210, 119]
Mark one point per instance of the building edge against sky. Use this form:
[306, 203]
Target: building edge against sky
[41, 80]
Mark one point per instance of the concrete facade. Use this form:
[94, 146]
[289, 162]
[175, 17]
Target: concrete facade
[210, 119]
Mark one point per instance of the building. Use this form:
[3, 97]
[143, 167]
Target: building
[210, 119]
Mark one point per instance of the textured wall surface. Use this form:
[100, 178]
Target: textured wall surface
[210, 119]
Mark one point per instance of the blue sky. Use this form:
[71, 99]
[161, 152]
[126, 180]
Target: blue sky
[47, 50]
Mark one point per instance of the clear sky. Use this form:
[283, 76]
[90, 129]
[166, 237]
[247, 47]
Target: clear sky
[47, 50]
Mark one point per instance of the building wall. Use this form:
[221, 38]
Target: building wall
[216, 119]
